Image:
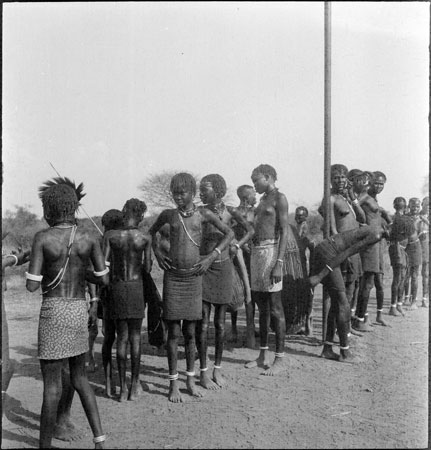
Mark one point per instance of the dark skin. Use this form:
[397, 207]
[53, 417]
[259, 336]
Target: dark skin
[185, 255]
[210, 240]
[412, 278]
[246, 210]
[398, 271]
[373, 213]
[271, 215]
[129, 249]
[47, 257]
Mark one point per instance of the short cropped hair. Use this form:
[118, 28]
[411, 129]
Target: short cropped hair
[182, 181]
[415, 200]
[134, 207]
[112, 219]
[218, 183]
[398, 200]
[378, 174]
[341, 168]
[301, 208]
[242, 190]
[267, 170]
[60, 198]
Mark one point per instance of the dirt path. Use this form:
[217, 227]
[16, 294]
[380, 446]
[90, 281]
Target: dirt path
[382, 402]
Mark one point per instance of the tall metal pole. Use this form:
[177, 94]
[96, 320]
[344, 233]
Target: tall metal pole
[327, 145]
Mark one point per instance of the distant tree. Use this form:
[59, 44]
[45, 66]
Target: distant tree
[21, 225]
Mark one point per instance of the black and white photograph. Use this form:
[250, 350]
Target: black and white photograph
[215, 225]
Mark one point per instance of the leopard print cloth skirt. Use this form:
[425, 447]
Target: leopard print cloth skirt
[63, 328]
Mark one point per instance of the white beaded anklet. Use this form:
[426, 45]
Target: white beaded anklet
[279, 355]
[173, 377]
[217, 367]
[379, 310]
[204, 370]
[264, 348]
[344, 348]
[400, 303]
[190, 374]
[98, 439]
[361, 319]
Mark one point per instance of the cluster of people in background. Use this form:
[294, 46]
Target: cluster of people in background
[214, 257]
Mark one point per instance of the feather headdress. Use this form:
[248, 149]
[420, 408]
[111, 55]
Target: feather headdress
[59, 181]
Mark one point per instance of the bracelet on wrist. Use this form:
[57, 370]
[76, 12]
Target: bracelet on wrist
[94, 299]
[217, 250]
[280, 261]
[236, 245]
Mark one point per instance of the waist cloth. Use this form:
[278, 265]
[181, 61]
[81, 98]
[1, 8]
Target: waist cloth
[372, 258]
[397, 254]
[324, 253]
[127, 300]
[182, 295]
[414, 252]
[263, 259]
[63, 328]
[217, 283]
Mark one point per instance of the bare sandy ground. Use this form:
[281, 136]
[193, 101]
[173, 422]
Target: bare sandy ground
[380, 402]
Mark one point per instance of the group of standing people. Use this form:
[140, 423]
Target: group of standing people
[211, 255]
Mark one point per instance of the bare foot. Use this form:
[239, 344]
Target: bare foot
[424, 304]
[207, 383]
[400, 309]
[393, 311]
[191, 387]
[109, 390]
[66, 431]
[361, 326]
[381, 321]
[262, 361]
[346, 356]
[413, 306]
[135, 391]
[174, 395]
[277, 367]
[328, 353]
[99, 445]
[123, 394]
[218, 378]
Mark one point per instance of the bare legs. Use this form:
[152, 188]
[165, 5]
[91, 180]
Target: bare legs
[188, 330]
[412, 279]
[425, 283]
[108, 342]
[52, 393]
[217, 380]
[129, 330]
[93, 331]
[270, 305]
[378, 282]
[397, 289]
[367, 283]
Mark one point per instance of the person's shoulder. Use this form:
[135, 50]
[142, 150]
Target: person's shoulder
[42, 235]
[280, 197]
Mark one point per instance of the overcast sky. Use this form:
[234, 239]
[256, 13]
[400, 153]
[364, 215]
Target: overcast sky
[112, 92]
